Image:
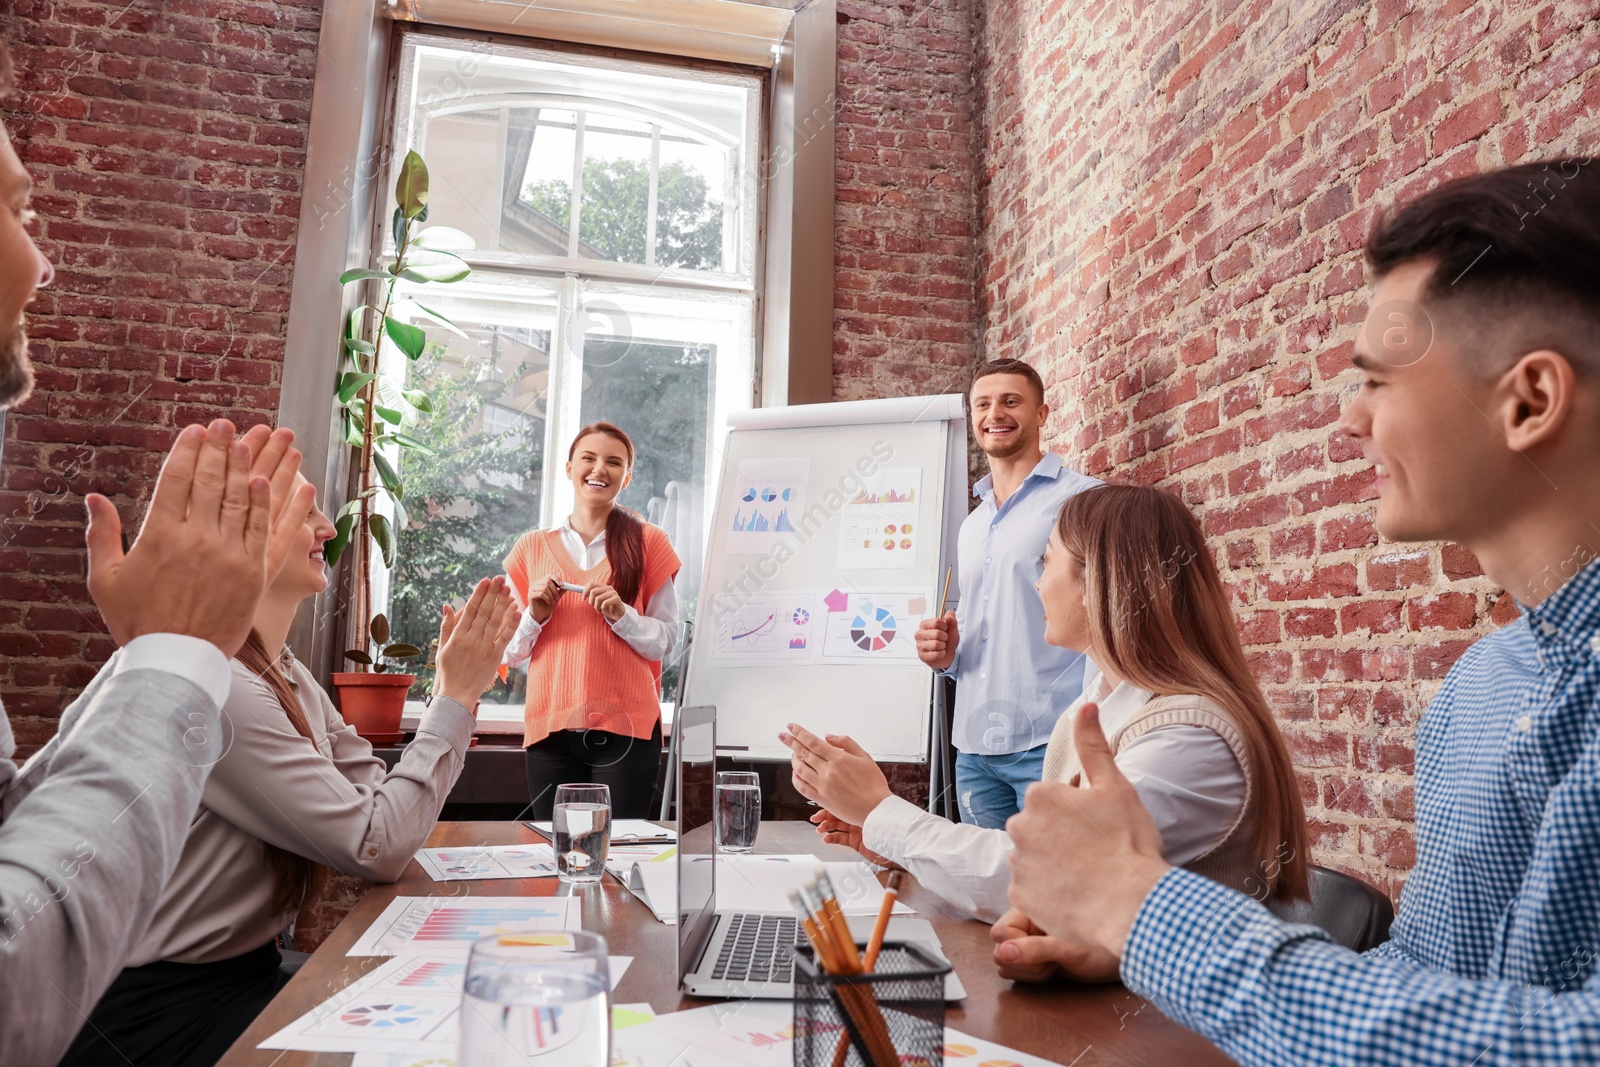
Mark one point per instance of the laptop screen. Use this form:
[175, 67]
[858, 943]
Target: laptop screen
[697, 772]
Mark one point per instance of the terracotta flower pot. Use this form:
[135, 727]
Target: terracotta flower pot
[373, 703]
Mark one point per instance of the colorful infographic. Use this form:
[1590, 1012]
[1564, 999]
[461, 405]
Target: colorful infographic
[765, 628]
[879, 526]
[871, 627]
[418, 923]
[768, 498]
[488, 861]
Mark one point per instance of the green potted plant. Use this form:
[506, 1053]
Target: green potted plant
[379, 417]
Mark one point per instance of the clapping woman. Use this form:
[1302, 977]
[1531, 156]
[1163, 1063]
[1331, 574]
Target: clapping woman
[601, 614]
[1129, 580]
[295, 793]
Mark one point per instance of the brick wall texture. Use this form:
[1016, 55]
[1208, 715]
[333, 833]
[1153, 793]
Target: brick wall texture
[1161, 208]
[1172, 205]
[167, 143]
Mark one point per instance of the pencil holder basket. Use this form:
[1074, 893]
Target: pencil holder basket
[893, 1017]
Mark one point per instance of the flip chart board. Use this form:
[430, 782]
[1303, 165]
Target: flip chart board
[830, 537]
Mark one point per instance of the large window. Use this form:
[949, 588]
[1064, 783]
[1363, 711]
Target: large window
[609, 212]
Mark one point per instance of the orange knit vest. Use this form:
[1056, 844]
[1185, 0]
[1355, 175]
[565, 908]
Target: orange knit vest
[582, 675]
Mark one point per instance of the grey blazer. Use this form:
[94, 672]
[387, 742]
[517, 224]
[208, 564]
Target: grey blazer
[90, 830]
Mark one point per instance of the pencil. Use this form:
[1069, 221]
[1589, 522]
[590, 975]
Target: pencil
[944, 597]
[875, 945]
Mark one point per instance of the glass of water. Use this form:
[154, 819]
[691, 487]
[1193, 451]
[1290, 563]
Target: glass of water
[582, 822]
[738, 812]
[538, 998]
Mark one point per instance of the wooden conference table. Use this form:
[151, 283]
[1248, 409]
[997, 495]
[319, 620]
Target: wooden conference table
[1070, 1024]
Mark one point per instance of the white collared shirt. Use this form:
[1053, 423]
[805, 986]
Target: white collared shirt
[1186, 777]
[652, 634]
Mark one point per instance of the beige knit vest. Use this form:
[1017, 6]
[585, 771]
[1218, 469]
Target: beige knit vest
[1232, 863]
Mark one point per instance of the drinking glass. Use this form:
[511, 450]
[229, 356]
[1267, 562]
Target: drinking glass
[738, 811]
[537, 998]
[582, 823]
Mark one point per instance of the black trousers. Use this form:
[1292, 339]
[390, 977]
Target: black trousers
[627, 764]
[178, 1014]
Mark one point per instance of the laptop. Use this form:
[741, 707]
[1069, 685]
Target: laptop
[743, 954]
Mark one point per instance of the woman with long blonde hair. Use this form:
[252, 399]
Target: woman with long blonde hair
[1127, 579]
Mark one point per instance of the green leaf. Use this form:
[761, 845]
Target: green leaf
[350, 384]
[380, 628]
[432, 314]
[383, 533]
[349, 509]
[381, 668]
[411, 188]
[397, 227]
[409, 339]
[361, 274]
[393, 416]
[333, 549]
[389, 476]
[405, 440]
[355, 428]
[433, 265]
[419, 400]
[355, 344]
[355, 655]
[398, 650]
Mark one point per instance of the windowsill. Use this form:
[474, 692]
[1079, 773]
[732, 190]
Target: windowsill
[497, 719]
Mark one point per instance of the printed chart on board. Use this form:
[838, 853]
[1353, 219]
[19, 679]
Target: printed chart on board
[452, 924]
[768, 497]
[879, 526]
[817, 626]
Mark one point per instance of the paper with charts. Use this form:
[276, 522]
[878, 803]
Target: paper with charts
[872, 626]
[760, 1033]
[879, 526]
[768, 496]
[407, 1006]
[476, 862]
[765, 628]
[451, 924]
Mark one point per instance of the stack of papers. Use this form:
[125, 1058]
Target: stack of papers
[408, 1009]
[477, 862]
[622, 830]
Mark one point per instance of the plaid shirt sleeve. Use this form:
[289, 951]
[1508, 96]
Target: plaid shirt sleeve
[1270, 992]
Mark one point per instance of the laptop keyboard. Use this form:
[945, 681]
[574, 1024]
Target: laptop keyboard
[756, 948]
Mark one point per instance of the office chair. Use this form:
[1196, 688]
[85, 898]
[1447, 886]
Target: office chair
[1353, 913]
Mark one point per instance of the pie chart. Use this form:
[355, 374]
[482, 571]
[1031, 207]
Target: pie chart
[872, 629]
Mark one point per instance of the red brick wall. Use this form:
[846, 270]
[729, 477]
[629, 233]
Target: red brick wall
[1172, 208]
[166, 141]
[905, 222]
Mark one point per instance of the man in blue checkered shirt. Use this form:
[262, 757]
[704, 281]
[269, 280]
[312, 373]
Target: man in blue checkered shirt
[1479, 406]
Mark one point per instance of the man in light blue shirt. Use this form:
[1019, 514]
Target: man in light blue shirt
[1010, 685]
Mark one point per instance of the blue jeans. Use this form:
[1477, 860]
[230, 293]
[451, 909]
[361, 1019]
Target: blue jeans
[989, 789]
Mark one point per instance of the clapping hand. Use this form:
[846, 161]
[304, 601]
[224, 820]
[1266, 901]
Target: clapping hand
[835, 831]
[1085, 856]
[835, 772]
[472, 641]
[199, 564]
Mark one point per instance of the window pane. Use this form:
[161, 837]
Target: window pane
[667, 175]
[468, 504]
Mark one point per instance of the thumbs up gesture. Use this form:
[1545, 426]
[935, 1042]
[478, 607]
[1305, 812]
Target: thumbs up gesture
[1086, 856]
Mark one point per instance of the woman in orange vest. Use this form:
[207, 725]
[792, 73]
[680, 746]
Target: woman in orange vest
[594, 657]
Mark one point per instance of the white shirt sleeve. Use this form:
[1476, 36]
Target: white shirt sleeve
[191, 658]
[1191, 785]
[652, 635]
[964, 864]
[1185, 776]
